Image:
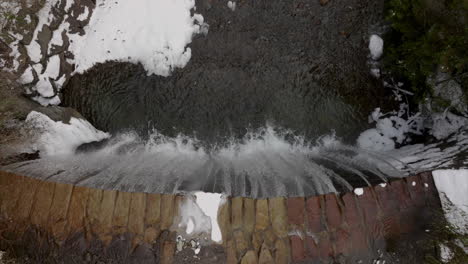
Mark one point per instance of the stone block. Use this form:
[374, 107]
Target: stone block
[153, 209]
[278, 216]
[332, 211]
[297, 248]
[265, 256]
[122, 209]
[236, 212]
[77, 209]
[296, 210]
[249, 258]
[249, 216]
[282, 255]
[314, 214]
[58, 211]
[262, 220]
[167, 211]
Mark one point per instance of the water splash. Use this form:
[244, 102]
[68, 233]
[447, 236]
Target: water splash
[265, 163]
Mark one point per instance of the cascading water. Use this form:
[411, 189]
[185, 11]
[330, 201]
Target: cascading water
[265, 163]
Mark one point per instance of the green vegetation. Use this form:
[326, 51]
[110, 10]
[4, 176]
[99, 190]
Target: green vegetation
[424, 35]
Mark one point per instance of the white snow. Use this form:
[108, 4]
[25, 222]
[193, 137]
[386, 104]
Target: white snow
[446, 254]
[376, 45]
[453, 187]
[152, 33]
[446, 124]
[359, 191]
[58, 138]
[232, 5]
[83, 16]
[200, 215]
[156, 37]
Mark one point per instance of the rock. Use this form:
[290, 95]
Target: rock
[261, 215]
[249, 258]
[167, 211]
[59, 209]
[296, 209]
[231, 252]
[236, 212]
[151, 234]
[42, 203]
[241, 242]
[282, 252]
[265, 256]
[122, 208]
[224, 220]
[104, 230]
[136, 215]
[153, 209]
[323, 2]
[76, 210]
[249, 216]
[278, 215]
[93, 209]
[168, 250]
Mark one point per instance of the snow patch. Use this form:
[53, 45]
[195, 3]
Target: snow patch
[156, 37]
[376, 45]
[232, 5]
[200, 215]
[359, 191]
[58, 138]
[453, 187]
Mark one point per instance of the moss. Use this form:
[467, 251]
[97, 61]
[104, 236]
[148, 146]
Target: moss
[426, 34]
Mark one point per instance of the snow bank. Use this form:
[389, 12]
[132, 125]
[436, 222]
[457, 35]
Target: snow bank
[153, 33]
[453, 187]
[200, 215]
[58, 138]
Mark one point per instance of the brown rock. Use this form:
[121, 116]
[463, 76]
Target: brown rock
[167, 211]
[168, 250]
[153, 209]
[265, 256]
[231, 257]
[241, 242]
[314, 214]
[324, 2]
[278, 215]
[42, 203]
[297, 248]
[25, 200]
[122, 209]
[351, 211]
[224, 221]
[261, 215]
[76, 211]
[296, 208]
[249, 258]
[236, 212]
[105, 216]
[257, 241]
[332, 211]
[136, 217]
[282, 252]
[59, 209]
[10, 191]
[249, 215]
[151, 234]
[269, 237]
[93, 209]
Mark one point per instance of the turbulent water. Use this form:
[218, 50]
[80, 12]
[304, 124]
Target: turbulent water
[264, 163]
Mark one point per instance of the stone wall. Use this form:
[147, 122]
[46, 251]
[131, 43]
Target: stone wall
[46, 220]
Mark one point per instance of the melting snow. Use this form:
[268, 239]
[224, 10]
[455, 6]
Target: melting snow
[453, 187]
[200, 215]
[58, 138]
